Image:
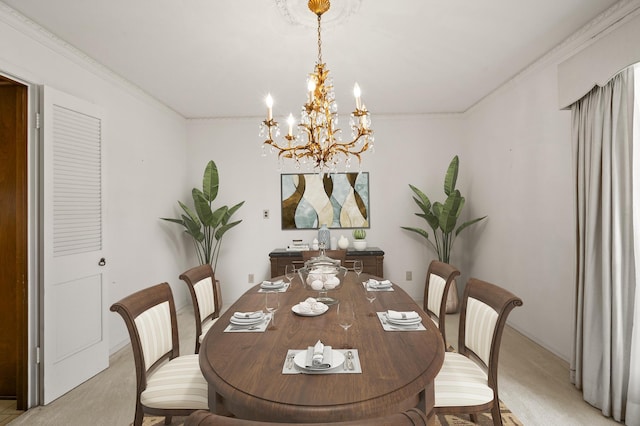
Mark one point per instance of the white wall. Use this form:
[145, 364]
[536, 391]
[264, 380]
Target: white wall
[523, 177]
[515, 166]
[145, 154]
[414, 149]
[520, 143]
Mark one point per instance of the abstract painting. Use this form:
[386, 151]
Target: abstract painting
[339, 200]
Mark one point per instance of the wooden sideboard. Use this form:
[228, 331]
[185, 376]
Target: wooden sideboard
[371, 257]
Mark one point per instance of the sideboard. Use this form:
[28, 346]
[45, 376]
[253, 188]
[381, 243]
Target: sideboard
[371, 257]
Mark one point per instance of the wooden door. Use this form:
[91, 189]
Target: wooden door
[13, 241]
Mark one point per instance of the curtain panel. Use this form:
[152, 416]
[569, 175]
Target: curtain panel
[602, 142]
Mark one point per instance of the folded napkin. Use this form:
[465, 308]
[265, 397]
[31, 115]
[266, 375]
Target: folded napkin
[318, 356]
[378, 284]
[276, 283]
[402, 315]
[312, 306]
[248, 315]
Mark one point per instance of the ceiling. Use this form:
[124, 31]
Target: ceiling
[220, 58]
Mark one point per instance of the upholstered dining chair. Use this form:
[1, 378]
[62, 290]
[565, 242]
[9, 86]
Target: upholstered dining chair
[411, 417]
[206, 297]
[468, 379]
[440, 277]
[166, 384]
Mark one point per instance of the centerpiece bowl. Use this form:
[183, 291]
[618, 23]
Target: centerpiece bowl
[322, 274]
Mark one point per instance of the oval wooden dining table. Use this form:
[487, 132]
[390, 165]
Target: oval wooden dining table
[244, 369]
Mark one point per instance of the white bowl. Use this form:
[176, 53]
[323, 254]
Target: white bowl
[359, 244]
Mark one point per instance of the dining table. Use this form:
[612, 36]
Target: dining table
[246, 370]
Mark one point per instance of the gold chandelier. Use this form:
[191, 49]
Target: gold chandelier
[318, 143]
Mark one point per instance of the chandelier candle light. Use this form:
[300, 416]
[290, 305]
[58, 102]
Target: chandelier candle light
[318, 143]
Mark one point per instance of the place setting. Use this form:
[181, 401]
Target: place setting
[401, 321]
[276, 285]
[375, 285]
[256, 321]
[248, 322]
[322, 359]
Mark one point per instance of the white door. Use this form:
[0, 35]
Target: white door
[74, 301]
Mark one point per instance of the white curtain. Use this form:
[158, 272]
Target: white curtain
[602, 132]
[633, 398]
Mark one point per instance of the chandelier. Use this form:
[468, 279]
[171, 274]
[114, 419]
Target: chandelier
[318, 142]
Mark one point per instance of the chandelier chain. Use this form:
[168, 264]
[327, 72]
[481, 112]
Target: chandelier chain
[319, 40]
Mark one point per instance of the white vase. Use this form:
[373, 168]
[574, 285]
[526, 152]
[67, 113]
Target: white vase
[343, 242]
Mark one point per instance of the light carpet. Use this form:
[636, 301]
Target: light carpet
[508, 419]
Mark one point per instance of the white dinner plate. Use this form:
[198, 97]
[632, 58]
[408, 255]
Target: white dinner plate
[337, 359]
[412, 321]
[296, 310]
[246, 321]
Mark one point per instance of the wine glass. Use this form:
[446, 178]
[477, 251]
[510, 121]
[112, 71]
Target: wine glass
[357, 267]
[345, 318]
[371, 296]
[290, 273]
[272, 303]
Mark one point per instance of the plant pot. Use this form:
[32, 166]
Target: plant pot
[359, 244]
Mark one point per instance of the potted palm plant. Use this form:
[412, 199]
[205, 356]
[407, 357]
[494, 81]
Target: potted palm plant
[442, 218]
[203, 224]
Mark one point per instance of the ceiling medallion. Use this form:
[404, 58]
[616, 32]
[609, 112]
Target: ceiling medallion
[296, 12]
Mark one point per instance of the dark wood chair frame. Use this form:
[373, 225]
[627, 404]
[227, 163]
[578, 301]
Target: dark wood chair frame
[129, 308]
[193, 276]
[411, 417]
[448, 273]
[503, 302]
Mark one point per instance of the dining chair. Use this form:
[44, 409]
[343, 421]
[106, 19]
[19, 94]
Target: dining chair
[411, 417]
[166, 384]
[468, 380]
[206, 297]
[440, 277]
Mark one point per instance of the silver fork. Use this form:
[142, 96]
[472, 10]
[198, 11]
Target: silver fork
[349, 361]
[289, 363]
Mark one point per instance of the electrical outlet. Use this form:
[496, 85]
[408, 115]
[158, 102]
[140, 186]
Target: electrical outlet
[250, 278]
[408, 276]
[265, 214]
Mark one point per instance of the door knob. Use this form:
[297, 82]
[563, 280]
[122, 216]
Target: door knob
[102, 262]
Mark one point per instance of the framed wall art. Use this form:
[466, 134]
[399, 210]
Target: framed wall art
[339, 200]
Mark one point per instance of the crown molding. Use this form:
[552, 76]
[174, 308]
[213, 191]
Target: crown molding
[33, 30]
[609, 20]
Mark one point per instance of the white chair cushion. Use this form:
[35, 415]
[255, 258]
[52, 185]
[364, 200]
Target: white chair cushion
[206, 327]
[177, 384]
[461, 383]
[436, 293]
[154, 329]
[205, 297]
[479, 328]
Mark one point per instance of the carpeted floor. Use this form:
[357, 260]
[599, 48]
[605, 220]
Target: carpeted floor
[508, 419]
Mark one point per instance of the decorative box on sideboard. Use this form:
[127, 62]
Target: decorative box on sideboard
[372, 258]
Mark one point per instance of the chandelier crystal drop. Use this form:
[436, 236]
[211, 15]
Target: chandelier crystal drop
[318, 143]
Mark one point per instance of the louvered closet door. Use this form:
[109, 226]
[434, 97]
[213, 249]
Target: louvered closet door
[75, 301]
